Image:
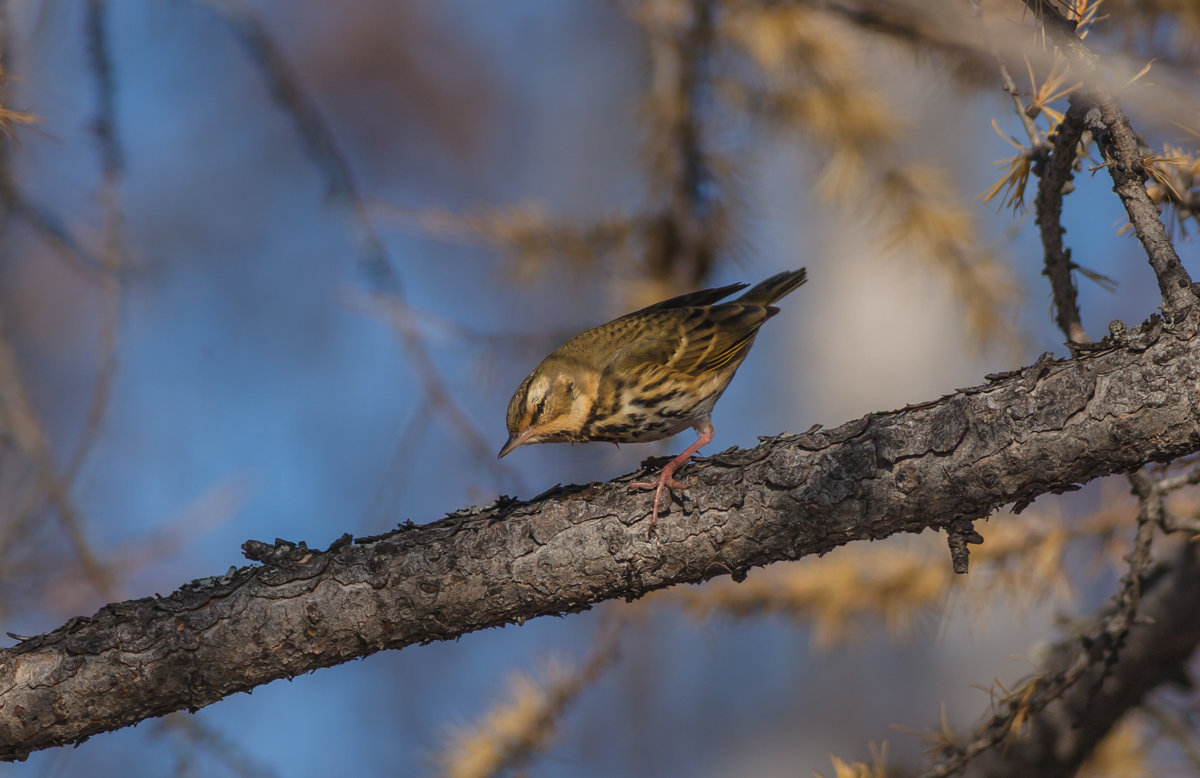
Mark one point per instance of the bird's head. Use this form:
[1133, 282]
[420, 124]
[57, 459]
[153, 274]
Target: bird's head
[551, 405]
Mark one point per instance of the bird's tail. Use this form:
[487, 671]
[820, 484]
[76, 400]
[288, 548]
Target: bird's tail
[774, 288]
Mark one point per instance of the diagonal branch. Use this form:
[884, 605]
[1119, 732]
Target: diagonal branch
[1111, 129]
[1046, 428]
[927, 27]
[342, 191]
[1156, 650]
[1088, 677]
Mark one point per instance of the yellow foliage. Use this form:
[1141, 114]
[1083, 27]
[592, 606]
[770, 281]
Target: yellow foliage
[9, 117]
[524, 723]
[781, 38]
[844, 769]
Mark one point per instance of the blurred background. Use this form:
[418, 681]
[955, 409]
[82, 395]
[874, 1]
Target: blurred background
[273, 269]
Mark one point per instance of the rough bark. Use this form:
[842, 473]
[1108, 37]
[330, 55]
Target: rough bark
[1046, 428]
[1054, 176]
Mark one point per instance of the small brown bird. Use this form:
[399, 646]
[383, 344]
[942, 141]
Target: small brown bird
[646, 375]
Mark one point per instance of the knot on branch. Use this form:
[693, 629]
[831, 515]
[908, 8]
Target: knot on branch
[1093, 122]
[281, 553]
[286, 561]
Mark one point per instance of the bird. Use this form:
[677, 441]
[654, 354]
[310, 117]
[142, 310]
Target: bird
[646, 375]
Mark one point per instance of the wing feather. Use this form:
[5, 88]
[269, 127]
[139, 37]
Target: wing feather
[692, 341]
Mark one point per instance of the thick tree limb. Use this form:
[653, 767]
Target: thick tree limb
[1046, 428]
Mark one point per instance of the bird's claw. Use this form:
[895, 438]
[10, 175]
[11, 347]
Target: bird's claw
[658, 486]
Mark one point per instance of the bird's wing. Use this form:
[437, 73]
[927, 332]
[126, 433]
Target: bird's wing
[692, 341]
[611, 338]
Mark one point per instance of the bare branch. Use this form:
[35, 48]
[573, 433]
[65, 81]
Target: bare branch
[214, 742]
[112, 256]
[688, 223]
[43, 221]
[1078, 677]
[21, 422]
[1046, 428]
[926, 27]
[343, 192]
[1111, 129]
[1054, 178]
[1058, 738]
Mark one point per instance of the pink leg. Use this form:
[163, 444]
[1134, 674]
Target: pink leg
[665, 479]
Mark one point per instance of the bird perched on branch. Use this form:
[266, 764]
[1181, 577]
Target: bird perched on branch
[646, 375]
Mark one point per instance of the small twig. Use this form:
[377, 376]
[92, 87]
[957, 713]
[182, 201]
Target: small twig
[100, 62]
[408, 444]
[1010, 87]
[1149, 518]
[438, 393]
[960, 534]
[1053, 162]
[213, 742]
[26, 430]
[290, 96]
[385, 307]
[1190, 478]
[46, 224]
[1168, 521]
[112, 255]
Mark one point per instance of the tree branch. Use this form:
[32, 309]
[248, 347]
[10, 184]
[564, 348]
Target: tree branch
[1054, 176]
[1111, 129]
[687, 230]
[927, 27]
[1157, 647]
[1046, 428]
[1094, 664]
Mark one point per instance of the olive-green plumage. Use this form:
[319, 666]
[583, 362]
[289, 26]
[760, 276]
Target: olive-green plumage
[648, 374]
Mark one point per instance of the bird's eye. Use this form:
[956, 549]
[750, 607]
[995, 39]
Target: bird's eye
[541, 406]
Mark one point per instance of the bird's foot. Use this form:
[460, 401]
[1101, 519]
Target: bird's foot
[664, 481]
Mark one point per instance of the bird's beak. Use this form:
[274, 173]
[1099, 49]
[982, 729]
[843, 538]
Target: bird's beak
[515, 440]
